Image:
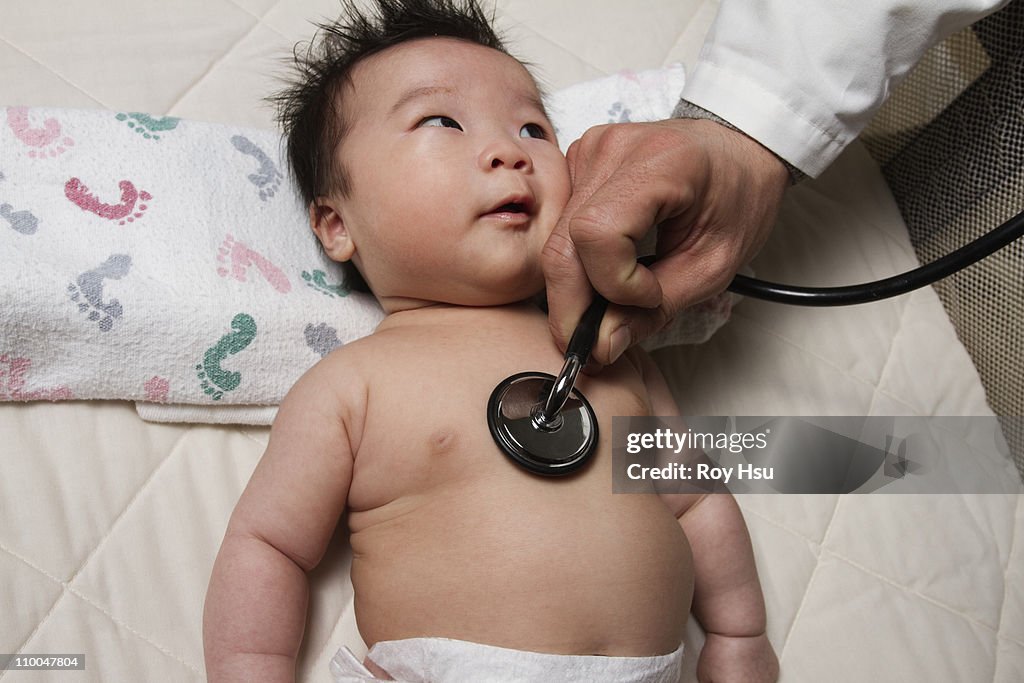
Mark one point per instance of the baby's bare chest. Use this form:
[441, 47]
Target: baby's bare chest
[426, 414]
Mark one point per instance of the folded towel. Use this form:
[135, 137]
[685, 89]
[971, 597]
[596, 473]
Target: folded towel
[158, 260]
[169, 262]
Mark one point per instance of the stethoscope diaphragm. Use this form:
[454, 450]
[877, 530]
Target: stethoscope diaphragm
[551, 447]
[541, 421]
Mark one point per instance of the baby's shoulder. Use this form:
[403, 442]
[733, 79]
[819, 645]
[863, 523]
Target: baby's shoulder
[345, 366]
[350, 359]
[637, 361]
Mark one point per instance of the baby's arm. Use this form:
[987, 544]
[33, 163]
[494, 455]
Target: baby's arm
[256, 602]
[727, 598]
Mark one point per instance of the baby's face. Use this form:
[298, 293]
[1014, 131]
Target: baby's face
[456, 177]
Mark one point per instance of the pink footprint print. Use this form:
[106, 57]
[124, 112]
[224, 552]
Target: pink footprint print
[12, 382]
[40, 138]
[124, 212]
[241, 257]
[157, 389]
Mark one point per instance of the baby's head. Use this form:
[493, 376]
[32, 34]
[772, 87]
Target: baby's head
[425, 155]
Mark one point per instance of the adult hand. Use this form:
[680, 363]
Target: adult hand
[713, 192]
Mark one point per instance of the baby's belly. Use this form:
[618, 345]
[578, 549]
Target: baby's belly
[518, 561]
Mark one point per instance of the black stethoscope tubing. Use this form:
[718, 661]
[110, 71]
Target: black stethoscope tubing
[536, 439]
[868, 292]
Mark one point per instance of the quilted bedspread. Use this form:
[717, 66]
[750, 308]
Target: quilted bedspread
[109, 524]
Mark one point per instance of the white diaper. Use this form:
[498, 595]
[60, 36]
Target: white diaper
[440, 660]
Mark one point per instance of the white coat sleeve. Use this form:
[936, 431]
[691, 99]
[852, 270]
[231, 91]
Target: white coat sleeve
[804, 78]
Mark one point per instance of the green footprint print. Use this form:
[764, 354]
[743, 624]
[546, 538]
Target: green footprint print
[214, 379]
[147, 126]
[318, 281]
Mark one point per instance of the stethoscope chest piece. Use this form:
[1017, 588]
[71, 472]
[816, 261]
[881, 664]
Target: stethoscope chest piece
[552, 447]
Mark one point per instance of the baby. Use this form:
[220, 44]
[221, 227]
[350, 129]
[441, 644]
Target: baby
[428, 162]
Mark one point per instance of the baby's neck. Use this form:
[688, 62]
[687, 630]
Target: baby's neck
[400, 304]
[442, 313]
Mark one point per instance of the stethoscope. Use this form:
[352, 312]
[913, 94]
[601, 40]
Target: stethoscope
[545, 425]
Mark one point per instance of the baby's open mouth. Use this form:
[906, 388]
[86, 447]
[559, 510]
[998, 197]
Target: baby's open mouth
[516, 204]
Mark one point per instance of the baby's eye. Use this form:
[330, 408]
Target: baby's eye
[532, 130]
[440, 122]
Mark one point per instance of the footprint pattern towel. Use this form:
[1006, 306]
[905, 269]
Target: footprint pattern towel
[159, 260]
[169, 262]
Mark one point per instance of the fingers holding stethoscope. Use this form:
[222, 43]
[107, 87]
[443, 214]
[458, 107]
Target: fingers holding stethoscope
[714, 195]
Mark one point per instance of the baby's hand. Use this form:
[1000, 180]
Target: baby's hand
[749, 659]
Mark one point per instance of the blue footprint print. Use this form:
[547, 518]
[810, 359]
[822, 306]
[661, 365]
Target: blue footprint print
[267, 178]
[322, 338]
[214, 379]
[87, 291]
[618, 113]
[22, 221]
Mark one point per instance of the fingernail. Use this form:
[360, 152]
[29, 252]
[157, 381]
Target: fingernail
[619, 343]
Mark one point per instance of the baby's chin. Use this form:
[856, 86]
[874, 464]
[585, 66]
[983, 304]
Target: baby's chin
[501, 292]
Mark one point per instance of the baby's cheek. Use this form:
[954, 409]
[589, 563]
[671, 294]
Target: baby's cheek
[561, 184]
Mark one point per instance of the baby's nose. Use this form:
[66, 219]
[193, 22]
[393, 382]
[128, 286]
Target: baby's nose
[506, 154]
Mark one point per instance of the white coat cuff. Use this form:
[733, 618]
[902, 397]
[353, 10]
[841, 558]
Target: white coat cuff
[807, 145]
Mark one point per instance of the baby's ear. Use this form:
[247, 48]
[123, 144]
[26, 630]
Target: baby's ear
[330, 229]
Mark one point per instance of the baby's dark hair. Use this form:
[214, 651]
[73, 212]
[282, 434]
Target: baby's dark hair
[309, 108]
